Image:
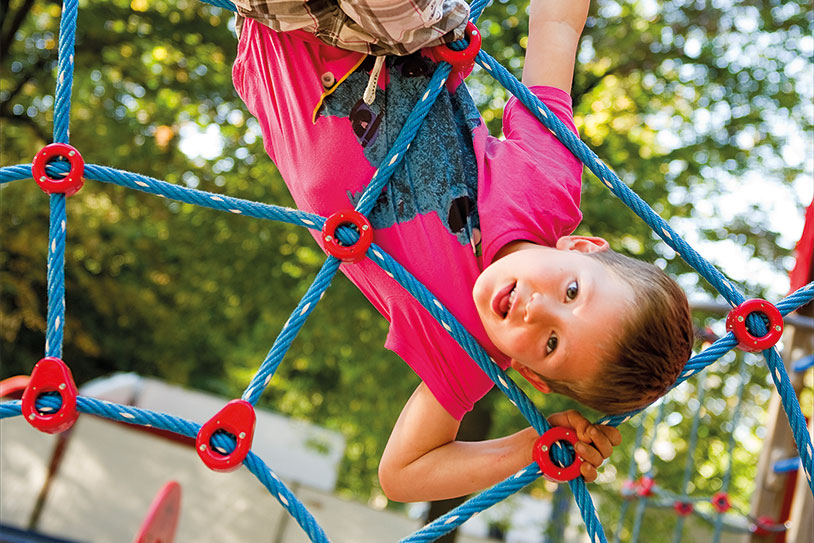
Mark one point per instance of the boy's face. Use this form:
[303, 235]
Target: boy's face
[555, 311]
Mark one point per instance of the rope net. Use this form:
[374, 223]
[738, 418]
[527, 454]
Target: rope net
[348, 236]
[717, 510]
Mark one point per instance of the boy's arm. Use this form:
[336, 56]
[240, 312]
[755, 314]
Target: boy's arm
[555, 27]
[423, 462]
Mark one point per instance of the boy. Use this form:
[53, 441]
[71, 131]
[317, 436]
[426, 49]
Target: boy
[466, 213]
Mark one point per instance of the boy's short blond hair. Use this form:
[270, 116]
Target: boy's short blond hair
[656, 341]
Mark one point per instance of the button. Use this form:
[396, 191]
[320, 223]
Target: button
[328, 80]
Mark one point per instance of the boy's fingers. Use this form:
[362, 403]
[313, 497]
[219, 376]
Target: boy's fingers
[601, 441]
[589, 454]
[585, 430]
[611, 433]
[588, 472]
[603, 437]
[572, 419]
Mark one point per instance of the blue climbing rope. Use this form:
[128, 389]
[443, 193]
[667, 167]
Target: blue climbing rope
[631, 473]
[640, 507]
[659, 497]
[689, 462]
[734, 421]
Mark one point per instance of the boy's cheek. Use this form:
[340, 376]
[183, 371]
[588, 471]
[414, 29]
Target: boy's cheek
[480, 296]
[497, 336]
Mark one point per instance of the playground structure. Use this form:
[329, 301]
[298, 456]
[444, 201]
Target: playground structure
[43, 473]
[225, 441]
[112, 507]
[782, 519]
[782, 506]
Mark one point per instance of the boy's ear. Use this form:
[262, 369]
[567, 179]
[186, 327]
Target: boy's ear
[530, 376]
[583, 244]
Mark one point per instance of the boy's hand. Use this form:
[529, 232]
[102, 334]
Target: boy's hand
[596, 441]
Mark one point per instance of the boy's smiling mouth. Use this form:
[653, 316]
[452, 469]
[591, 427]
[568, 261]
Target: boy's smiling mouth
[504, 299]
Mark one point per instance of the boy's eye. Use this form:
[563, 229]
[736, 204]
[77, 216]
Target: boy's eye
[551, 344]
[572, 290]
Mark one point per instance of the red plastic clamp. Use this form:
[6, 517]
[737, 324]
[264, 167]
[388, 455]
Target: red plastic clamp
[628, 489]
[542, 455]
[736, 323]
[69, 184]
[237, 418]
[462, 61]
[683, 508]
[645, 486]
[347, 253]
[720, 501]
[50, 375]
[762, 526]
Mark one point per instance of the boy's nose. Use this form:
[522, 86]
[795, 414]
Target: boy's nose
[536, 309]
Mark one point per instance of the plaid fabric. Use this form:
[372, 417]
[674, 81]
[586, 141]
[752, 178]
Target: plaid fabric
[377, 27]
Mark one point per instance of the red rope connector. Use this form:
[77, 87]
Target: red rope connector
[347, 253]
[764, 526]
[69, 184]
[683, 508]
[462, 61]
[237, 418]
[645, 486]
[736, 323]
[628, 489]
[50, 375]
[720, 501]
[542, 455]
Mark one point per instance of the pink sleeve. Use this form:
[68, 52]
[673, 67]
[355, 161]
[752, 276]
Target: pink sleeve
[456, 381]
[530, 183]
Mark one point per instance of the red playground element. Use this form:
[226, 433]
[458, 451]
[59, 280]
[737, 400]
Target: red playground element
[762, 526]
[69, 184]
[237, 418]
[720, 501]
[462, 61]
[347, 253]
[13, 386]
[683, 508]
[736, 323]
[803, 270]
[50, 375]
[645, 486]
[542, 455]
[162, 518]
[628, 489]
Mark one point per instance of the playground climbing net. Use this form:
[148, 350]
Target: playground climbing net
[717, 509]
[224, 442]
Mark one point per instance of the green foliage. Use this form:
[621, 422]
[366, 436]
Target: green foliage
[711, 457]
[683, 99]
[189, 295]
[679, 98]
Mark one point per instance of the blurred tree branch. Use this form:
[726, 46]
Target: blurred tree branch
[7, 31]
